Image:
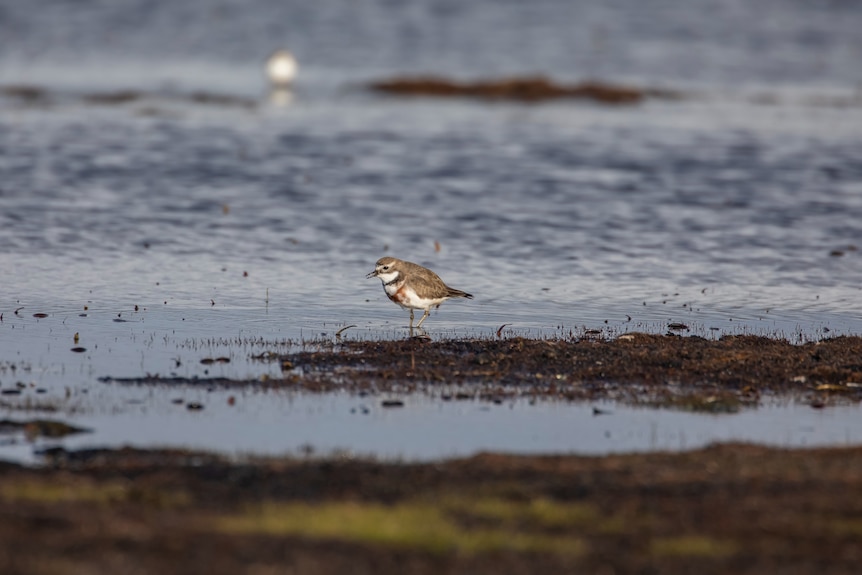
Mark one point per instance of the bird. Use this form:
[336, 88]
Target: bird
[281, 68]
[413, 287]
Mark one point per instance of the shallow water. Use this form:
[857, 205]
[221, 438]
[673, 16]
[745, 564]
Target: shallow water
[241, 423]
[224, 222]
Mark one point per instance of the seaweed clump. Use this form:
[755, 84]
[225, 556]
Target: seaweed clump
[524, 89]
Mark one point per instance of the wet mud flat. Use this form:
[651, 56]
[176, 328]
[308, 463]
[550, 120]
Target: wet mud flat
[692, 372]
[732, 508]
[696, 373]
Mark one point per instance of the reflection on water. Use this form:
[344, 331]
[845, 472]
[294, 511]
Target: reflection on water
[280, 97]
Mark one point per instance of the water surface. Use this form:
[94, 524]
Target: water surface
[166, 227]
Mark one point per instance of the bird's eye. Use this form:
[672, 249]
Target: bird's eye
[385, 268]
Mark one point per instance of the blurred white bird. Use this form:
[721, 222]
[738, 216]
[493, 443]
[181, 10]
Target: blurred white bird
[281, 68]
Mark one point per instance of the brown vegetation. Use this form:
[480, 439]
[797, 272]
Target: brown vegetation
[634, 367]
[727, 509]
[525, 89]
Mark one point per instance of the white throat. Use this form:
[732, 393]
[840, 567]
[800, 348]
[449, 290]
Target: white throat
[387, 277]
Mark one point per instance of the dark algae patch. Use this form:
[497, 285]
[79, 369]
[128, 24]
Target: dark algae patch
[524, 89]
[686, 372]
[732, 508]
[690, 373]
[38, 95]
[40, 428]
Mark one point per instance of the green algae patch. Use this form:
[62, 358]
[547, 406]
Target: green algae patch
[417, 525]
[57, 492]
[75, 491]
[539, 513]
[691, 546]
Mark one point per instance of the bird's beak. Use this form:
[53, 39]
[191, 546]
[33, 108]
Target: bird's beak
[371, 275]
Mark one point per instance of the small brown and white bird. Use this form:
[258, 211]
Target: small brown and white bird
[413, 287]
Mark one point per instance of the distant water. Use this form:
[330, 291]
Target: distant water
[201, 210]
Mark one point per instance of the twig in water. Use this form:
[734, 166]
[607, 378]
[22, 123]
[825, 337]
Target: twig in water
[338, 333]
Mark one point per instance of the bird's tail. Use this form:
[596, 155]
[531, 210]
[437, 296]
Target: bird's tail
[458, 293]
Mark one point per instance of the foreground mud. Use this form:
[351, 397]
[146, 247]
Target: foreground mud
[726, 509]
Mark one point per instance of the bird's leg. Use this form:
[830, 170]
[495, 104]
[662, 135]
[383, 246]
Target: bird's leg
[421, 319]
[411, 319]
